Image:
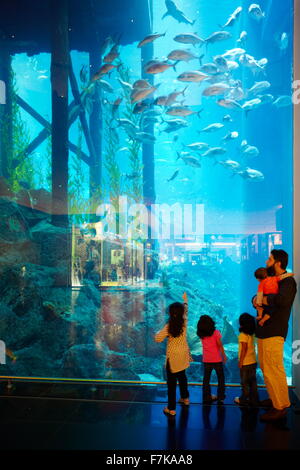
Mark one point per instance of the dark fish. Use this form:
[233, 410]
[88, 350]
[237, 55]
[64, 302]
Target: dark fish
[132, 176]
[140, 107]
[177, 14]
[173, 176]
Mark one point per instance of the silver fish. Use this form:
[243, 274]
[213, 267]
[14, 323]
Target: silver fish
[221, 63]
[233, 17]
[174, 125]
[250, 151]
[251, 174]
[197, 146]
[230, 104]
[212, 127]
[266, 98]
[229, 164]
[234, 54]
[193, 76]
[242, 39]
[214, 151]
[182, 55]
[230, 136]
[259, 87]
[150, 38]
[209, 68]
[189, 38]
[172, 96]
[256, 12]
[252, 104]
[282, 101]
[227, 118]
[126, 86]
[105, 86]
[183, 111]
[145, 137]
[218, 36]
[283, 42]
[216, 89]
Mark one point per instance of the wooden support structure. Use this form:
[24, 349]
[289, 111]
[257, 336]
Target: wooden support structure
[59, 82]
[96, 126]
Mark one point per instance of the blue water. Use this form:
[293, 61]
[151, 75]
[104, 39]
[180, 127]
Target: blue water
[243, 218]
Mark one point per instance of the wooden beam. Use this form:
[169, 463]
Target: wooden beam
[59, 81]
[46, 132]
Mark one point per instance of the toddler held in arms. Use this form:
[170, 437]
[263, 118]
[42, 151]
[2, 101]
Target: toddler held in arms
[267, 285]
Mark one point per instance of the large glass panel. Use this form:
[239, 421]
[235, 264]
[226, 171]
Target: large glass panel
[146, 150]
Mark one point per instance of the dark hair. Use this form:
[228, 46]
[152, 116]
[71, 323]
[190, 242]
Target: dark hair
[247, 324]
[282, 256]
[261, 273]
[176, 320]
[206, 326]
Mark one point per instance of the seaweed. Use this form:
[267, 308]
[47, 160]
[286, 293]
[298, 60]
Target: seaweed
[19, 164]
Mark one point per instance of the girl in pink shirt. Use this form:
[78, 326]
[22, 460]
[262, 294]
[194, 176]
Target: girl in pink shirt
[213, 358]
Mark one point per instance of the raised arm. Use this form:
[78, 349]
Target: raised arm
[161, 335]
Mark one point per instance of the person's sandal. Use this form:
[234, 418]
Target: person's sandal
[184, 401]
[169, 412]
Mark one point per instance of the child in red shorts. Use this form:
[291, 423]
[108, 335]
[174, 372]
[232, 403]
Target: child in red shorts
[267, 285]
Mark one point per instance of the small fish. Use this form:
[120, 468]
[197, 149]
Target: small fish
[227, 118]
[173, 10]
[174, 125]
[112, 55]
[141, 94]
[212, 127]
[282, 101]
[217, 37]
[161, 100]
[83, 74]
[105, 86]
[234, 54]
[256, 12]
[250, 151]
[173, 176]
[242, 38]
[266, 98]
[283, 41]
[259, 87]
[216, 89]
[251, 174]
[221, 63]
[189, 160]
[172, 96]
[252, 104]
[105, 69]
[229, 104]
[183, 111]
[123, 149]
[232, 65]
[197, 146]
[132, 176]
[229, 164]
[140, 107]
[193, 76]
[189, 38]
[255, 65]
[233, 17]
[230, 136]
[141, 84]
[159, 67]
[182, 55]
[106, 44]
[150, 38]
[209, 68]
[145, 137]
[214, 151]
[235, 93]
[42, 77]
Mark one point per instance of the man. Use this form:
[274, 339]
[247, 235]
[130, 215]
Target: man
[272, 334]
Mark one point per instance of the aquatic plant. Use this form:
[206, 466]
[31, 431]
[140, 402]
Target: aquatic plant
[134, 188]
[15, 137]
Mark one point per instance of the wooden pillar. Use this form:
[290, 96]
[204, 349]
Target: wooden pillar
[59, 83]
[6, 134]
[95, 125]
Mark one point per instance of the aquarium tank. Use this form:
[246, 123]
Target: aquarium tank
[145, 151]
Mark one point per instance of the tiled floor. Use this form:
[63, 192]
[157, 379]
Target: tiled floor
[125, 417]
